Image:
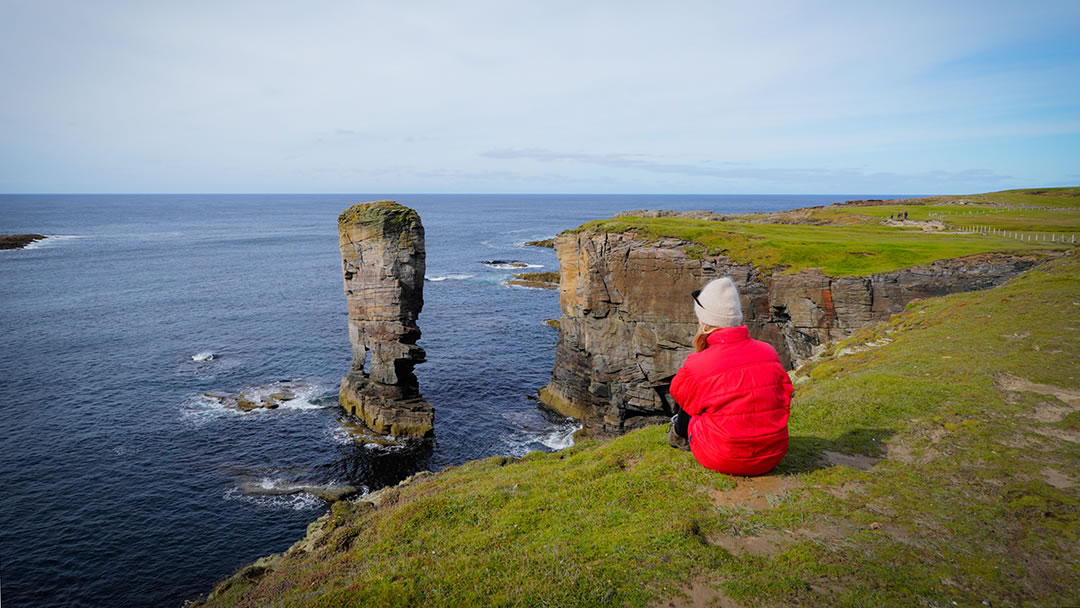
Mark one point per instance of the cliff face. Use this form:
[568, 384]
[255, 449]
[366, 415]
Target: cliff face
[627, 320]
[383, 263]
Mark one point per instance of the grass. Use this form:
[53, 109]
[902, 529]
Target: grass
[851, 240]
[853, 250]
[974, 500]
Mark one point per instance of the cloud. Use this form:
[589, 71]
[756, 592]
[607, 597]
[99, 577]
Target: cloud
[739, 171]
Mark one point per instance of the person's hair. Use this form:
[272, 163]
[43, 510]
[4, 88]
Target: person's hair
[701, 339]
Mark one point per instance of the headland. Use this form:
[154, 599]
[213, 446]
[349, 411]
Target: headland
[933, 457]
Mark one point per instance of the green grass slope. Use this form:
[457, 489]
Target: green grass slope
[933, 462]
[860, 239]
[851, 249]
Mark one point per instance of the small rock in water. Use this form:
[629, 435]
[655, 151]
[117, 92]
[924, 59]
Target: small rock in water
[329, 493]
[246, 405]
[283, 396]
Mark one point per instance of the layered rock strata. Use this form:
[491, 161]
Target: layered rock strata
[383, 263]
[627, 320]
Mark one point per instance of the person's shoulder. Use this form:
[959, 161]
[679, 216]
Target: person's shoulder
[763, 349]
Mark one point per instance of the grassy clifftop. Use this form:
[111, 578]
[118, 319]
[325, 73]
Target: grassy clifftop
[859, 240]
[933, 462]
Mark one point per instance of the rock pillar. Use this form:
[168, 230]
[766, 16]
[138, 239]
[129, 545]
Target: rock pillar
[383, 263]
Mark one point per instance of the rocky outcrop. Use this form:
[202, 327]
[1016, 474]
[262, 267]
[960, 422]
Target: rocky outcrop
[627, 320]
[383, 263]
[18, 241]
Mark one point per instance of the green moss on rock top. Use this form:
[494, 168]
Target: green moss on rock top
[391, 215]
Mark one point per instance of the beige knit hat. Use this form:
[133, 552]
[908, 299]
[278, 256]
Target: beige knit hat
[718, 304]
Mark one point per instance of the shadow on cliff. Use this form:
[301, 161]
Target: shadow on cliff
[859, 448]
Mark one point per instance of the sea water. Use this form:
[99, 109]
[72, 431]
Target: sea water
[123, 484]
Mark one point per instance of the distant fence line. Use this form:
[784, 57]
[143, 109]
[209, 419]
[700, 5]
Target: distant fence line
[1000, 210]
[1049, 237]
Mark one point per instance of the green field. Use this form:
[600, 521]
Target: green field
[933, 462]
[847, 250]
[849, 240]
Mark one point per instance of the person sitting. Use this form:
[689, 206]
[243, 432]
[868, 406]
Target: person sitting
[733, 393]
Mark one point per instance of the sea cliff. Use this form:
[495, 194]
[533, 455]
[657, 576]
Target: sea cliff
[627, 321]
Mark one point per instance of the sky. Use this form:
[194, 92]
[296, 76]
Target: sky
[547, 96]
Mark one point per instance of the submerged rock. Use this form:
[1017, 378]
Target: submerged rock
[329, 492]
[536, 280]
[383, 263]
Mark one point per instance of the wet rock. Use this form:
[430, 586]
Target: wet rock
[246, 405]
[383, 263]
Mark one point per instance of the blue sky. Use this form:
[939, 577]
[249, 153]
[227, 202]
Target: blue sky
[554, 96]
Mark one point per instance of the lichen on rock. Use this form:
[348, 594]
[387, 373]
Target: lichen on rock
[383, 264]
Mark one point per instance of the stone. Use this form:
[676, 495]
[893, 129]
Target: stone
[383, 264]
[18, 241]
[628, 324]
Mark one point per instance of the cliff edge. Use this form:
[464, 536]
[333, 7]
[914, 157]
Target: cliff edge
[627, 321]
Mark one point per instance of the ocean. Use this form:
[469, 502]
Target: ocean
[124, 485]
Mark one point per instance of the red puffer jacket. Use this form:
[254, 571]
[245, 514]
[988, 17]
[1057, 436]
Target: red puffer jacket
[737, 393]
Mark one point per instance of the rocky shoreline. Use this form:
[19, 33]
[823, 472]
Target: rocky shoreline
[18, 241]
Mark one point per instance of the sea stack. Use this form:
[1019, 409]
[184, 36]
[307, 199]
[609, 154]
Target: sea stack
[383, 263]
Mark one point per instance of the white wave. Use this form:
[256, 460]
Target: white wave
[289, 395]
[302, 395]
[515, 265]
[338, 434]
[562, 438]
[301, 501]
[52, 240]
[203, 356]
[450, 277]
[556, 437]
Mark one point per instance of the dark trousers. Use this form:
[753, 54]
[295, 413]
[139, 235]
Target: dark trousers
[682, 423]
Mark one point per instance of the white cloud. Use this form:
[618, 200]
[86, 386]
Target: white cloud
[196, 86]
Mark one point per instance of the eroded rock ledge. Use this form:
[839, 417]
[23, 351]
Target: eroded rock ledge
[627, 323]
[383, 263]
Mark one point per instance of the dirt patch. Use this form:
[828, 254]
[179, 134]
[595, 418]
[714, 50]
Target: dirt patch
[847, 489]
[699, 594]
[855, 461]
[925, 226]
[1056, 433]
[757, 493]
[1009, 382]
[1057, 479]
[905, 450]
[1048, 412]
